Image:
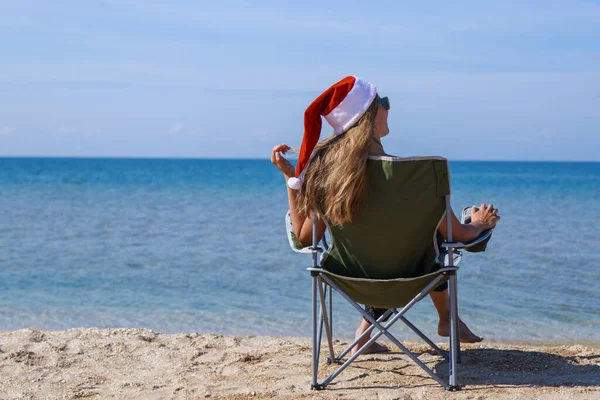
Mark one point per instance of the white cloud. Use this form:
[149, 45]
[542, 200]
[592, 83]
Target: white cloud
[63, 130]
[6, 131]
[195, 132]
[176, 129]
[474, 16]
[547, 133]
[182, 130]
[259, 133]
[66, 131]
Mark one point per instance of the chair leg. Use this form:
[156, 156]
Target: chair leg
[319, 335]
[324, 314]
[330, 312]
[315, 344]
[454, 332]
[322, 320]
[425, 338]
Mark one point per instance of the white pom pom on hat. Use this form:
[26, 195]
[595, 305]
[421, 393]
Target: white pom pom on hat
[295, 183]
[342, 105]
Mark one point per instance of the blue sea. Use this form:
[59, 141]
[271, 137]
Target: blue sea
[179, 245]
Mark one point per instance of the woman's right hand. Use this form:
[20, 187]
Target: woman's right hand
[485, 216]
[280, 162]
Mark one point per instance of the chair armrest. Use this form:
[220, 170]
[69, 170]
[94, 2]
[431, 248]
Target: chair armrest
[480, 240]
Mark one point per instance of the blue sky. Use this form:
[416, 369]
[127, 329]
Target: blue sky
[505, 80]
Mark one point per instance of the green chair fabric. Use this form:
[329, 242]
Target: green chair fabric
[389, 252]
[392, 293]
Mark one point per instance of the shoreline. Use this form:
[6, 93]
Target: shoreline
[591, 343]
[132, 363]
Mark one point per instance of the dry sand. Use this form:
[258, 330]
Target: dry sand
[141, 364]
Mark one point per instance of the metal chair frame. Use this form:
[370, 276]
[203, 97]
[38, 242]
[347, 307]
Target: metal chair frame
[322, 290]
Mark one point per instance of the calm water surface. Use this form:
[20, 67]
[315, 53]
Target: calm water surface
[199, 245]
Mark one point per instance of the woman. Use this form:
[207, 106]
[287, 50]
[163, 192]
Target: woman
[334, 179]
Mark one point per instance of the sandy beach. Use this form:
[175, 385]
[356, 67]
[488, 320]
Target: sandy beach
[141, 364]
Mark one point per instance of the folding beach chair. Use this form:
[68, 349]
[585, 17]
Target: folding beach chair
[390, 257]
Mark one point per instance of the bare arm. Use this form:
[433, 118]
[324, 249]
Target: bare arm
[301, 223]
[482, 219]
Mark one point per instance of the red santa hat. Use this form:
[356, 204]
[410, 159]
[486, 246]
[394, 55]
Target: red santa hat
[342, 105]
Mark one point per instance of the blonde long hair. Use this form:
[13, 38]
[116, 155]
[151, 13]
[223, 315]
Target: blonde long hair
[335, 178]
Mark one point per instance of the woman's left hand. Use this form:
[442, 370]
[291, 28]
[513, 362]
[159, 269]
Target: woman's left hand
[280, 162]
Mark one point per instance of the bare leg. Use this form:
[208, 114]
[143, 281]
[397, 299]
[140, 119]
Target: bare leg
[442, 305]
[374, 348]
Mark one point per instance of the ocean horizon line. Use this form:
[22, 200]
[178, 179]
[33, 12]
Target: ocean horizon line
[100, 157]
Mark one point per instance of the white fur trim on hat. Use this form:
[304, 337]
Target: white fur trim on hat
[295, 183]
[354, 105]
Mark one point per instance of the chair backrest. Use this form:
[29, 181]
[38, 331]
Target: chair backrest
[394, 233]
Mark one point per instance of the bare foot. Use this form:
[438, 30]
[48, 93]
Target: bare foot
[465, 334]
[372, 349]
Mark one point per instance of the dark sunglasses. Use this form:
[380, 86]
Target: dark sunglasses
[385, 102]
